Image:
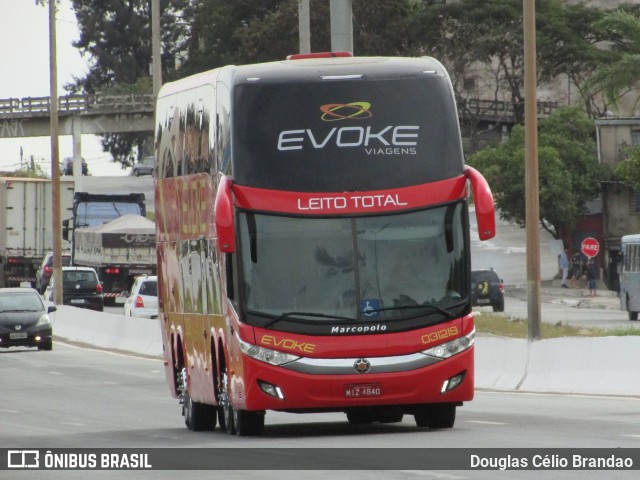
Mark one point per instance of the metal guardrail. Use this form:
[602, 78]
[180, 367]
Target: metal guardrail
[16, 107]
[499, 109]
[13, 107]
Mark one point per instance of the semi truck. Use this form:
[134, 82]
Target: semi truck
[111, 234]
[26, 226]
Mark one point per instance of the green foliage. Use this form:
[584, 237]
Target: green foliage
[117, 38]
[628, 170]
[569, 173]
[619, 74]
[495, 324]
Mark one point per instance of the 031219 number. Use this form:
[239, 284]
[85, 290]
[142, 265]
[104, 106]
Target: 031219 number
[356, 390]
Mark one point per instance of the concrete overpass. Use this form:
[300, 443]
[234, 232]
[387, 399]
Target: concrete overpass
[77, 115]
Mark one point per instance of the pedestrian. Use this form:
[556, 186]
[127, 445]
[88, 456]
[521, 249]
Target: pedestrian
[576, 270]
[592, 276]
[564, 266]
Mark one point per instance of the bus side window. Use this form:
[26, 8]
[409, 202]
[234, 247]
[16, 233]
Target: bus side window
[232, 276]
[223, 123]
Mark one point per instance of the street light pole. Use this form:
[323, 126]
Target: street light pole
[156, 59]
[531, 170]
[341, 25]
[304, 26]
[55, 156]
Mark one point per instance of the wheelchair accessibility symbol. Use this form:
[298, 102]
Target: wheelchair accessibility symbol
[370, 308]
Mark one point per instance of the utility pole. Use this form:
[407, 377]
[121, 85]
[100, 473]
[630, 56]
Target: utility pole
[304, 26]
[55, 156]
[156, 58]
[531, 170]
[341, 25]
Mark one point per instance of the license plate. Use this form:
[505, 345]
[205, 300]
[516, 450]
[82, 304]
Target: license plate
[356, 390]
[484, 300]
[17, 336]
[77, 300]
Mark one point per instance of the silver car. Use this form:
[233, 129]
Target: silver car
[144, 167]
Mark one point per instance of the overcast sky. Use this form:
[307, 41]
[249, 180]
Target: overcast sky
[24, 63]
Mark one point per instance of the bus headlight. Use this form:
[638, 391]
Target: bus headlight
[266, 355]
[453, 347]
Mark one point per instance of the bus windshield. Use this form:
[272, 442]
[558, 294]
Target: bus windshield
[91, 214]
[367, 268]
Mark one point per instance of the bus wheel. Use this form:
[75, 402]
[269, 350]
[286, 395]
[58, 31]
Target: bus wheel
[248, 424]
[225, 410]
[360, 417]
[437, 415]
[198, 416]
[390, 415]
[632, 315]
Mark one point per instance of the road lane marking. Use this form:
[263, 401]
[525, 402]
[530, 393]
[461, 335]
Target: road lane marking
[485, 422]
[432, 474]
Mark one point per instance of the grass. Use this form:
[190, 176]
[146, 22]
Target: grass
[499, 325]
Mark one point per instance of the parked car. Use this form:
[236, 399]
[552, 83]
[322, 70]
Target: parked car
[24, 320]
[144, 167]
[143, 299]
[487, 289]
[43, 275]
[80, 288]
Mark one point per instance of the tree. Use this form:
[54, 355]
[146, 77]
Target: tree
[253, 31]
[620, 76]
[628, 170]
[569, 172]
[116, 36]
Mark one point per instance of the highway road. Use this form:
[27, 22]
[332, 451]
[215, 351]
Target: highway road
[74, 397]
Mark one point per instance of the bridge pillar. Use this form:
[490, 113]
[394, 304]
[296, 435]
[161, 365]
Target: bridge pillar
[76, 132]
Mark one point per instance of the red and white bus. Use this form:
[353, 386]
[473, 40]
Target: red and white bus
[313, 242]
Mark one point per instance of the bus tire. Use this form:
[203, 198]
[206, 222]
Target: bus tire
[248, 423]
[437, 415]
[632, 315]
[362, 416]
[198, 416]
[390, 415]
[225, 409]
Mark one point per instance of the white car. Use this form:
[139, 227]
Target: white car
[142, 302]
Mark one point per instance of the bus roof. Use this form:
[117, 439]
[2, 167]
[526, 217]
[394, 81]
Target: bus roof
[634, 238]
[311, 69]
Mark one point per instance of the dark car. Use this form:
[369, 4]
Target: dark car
[43, 275]
[487, 289]
[144, 167]
[80, 288]
[24, 320]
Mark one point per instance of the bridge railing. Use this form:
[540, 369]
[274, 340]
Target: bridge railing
[16, 107]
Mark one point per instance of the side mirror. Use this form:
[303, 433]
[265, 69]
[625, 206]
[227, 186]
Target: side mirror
[52, 308]
[225, 228]
[483, 200]
[65, 230]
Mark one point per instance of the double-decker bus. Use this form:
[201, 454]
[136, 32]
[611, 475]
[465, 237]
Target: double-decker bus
[313, 242]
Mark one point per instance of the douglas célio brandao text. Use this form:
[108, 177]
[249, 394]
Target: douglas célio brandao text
[551, 461]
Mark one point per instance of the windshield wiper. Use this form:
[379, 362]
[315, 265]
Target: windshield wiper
[305, 314]
[444, 311]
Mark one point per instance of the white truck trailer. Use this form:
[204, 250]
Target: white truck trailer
[119, 250]
[26, 226]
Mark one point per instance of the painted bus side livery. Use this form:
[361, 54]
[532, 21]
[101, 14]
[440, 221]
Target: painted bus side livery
[313, 242]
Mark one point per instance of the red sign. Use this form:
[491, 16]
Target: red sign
[590, 247]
